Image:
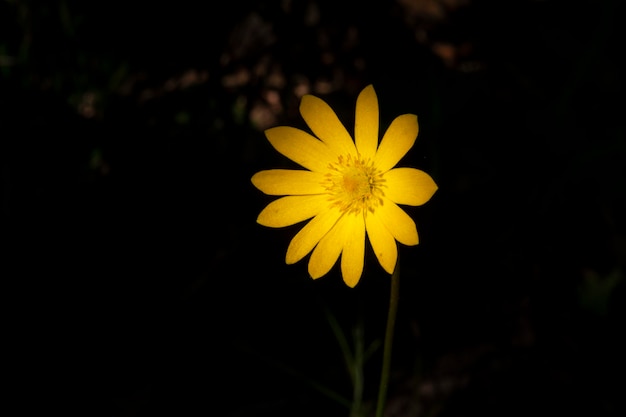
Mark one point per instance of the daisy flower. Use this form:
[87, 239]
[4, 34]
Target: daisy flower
[349, 189]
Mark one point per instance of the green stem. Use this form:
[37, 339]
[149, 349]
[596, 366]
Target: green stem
[391, 320]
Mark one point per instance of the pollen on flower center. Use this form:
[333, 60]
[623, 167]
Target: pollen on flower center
[354, 185]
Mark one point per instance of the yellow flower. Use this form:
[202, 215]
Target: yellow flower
[349, 188]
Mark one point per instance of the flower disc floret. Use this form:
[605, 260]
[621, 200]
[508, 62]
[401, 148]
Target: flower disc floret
[354, 185]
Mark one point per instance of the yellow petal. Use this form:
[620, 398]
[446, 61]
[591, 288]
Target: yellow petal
[326, 125]
[400, 225]
[306, 239]
[366, 123]
[398, 139]
[383, 243]
[301, 147]
[409, 186]
[289, 182]
[328, 249]
[353, 251]
[291, 210]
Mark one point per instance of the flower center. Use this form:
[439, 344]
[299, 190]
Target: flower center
[354, 185]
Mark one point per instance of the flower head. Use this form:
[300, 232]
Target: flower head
[348, 189]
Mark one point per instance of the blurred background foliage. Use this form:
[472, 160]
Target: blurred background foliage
[140, 284]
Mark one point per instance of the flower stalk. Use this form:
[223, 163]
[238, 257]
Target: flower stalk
[394, 295]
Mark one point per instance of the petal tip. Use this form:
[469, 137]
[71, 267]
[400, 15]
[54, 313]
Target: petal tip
[254, 179]
[308, 99]
[351, 282]
[368, 88]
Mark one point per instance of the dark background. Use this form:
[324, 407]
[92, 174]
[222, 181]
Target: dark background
[138, 283]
